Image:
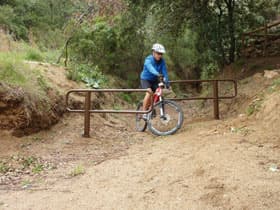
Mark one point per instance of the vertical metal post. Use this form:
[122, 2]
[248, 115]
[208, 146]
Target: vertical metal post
[216, 99]
[87, 115]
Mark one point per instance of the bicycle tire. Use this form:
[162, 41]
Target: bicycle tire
[141, 124]
[168, 124]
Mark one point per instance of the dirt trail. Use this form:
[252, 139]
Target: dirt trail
[205, 167]
[232, 163]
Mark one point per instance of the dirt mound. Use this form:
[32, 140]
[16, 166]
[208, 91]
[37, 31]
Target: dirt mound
[252, 92]
[24, 113]
[245, 68]
[270, 112]
[25, 110]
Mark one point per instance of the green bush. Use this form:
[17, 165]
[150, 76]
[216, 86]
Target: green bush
[50, 56]
[40, 16]
[12, 70]
[95, 44]
[209, 71]
[34, 55]
[73, 74]
[92, 76]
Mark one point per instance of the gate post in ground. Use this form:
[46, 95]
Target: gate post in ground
[87, 115]
[216, 99]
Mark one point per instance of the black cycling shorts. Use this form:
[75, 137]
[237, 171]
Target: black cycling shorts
[149, 84]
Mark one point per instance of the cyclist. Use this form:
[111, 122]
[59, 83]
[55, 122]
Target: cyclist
[154, 66]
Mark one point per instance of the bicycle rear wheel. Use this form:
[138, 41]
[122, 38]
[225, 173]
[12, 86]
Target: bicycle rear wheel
[141, 124]
[166, 119]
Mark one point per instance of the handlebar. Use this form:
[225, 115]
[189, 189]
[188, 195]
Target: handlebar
[160, 77]
[161, 81]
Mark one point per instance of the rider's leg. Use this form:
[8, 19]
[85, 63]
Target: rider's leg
[147, 102]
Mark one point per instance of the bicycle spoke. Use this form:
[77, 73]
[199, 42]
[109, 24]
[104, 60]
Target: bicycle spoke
[168, 118]
[141, 123]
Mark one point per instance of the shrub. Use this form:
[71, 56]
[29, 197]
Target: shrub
[95, 44]
[12, 69]
[209, 71]
[34, 55]
[92, 76]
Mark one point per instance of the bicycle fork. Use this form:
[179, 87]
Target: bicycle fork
[162, 113]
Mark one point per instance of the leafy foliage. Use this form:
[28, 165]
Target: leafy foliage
[209, 71]
[218, 24]
[34, 55]
[200, 36]
[115, 45]
[95, 42]
[43, 18]
[10, 70]
[92, 76]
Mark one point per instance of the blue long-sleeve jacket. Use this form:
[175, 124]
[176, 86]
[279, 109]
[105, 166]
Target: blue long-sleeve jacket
[152, 69]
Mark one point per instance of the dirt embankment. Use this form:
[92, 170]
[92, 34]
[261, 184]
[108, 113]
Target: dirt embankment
[30, 108]
[24, 114]
[25, 111]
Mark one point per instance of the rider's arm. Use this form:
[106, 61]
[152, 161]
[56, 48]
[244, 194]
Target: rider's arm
[165, 74]
[150, 67]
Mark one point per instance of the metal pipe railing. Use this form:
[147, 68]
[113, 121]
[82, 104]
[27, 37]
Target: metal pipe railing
[87, 106]
[265, 35]
[215, 96]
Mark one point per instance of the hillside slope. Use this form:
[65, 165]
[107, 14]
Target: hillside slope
[231, 163]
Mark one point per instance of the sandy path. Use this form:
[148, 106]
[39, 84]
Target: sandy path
[211, 168]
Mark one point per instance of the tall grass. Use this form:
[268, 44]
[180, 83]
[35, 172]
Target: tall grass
[14, 71]
[24, 51]
[33, 54]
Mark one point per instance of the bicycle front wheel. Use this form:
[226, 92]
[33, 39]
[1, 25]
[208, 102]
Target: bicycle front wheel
[141, 124]
[167, 117]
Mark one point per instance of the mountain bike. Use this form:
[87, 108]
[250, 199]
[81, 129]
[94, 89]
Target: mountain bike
[165, 117]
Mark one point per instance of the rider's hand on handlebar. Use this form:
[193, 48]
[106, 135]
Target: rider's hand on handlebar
[160, 77]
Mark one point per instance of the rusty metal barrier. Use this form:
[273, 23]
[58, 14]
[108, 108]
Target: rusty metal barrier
[87, 108]
[215, 96]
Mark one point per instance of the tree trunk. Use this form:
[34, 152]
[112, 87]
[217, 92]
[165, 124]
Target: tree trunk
[219, 34]
[231, 28]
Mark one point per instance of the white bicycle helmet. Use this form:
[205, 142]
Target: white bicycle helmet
[158, 48]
